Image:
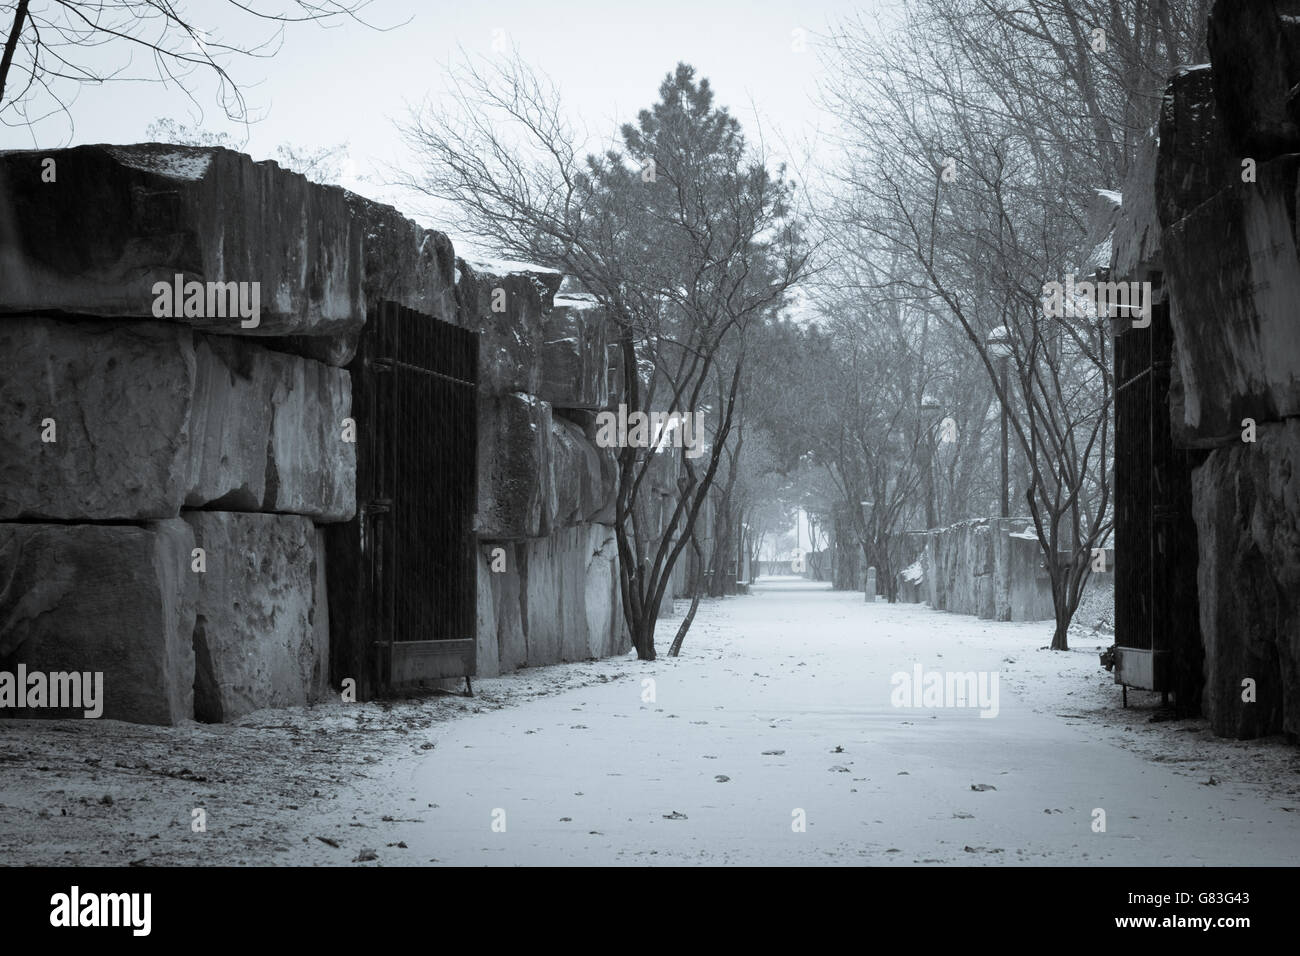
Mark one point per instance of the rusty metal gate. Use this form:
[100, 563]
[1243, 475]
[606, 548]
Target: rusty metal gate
[1157, 631]
[404, 581]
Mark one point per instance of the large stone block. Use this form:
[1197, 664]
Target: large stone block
[556, 589]
[1195, 159]
[1246, 504]
[230, 426]
[149, 417]
[606, 630]
[514, 467]
[261, 635]
[574, 366]
[310, 469]
[573, 606]
[404, 262]
[508, 308]
[267, 433]
[1234, 279]
[119, 219]
[581, 478]
[988, 567]
[120, 400]
[557, 599]
[1255, 49]
[114, 599]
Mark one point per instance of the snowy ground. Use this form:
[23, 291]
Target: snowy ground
[780, 703]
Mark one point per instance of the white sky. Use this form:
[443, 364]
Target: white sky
[350, 83]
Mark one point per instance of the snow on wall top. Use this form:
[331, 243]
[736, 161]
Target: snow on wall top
[577, 301]
[505, 267]
[168, 161]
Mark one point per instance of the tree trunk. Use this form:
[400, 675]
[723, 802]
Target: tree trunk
[676, 646]
[644, 640]
[1061, 607]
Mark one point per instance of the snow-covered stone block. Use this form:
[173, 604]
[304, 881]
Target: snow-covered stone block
[508, 308]
[574, 357]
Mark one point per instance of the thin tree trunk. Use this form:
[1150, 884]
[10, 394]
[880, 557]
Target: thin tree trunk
[695, 602]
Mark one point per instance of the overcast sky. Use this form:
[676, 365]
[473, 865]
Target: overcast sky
[608, 57]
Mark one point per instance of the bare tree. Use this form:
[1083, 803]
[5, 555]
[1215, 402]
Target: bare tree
[54, 47]
[681, 232]
[984, 197]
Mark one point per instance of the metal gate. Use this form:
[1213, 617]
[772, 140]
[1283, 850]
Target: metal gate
[408, 570]
[1157, 630]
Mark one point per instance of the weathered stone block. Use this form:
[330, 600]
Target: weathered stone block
[148, 416]
[565, 571]
[311, 469]
[230, 426]
[557, 600]
[267, 433]
[121, 218]
[511, 345]
[404, 262]
[583, 492]
[116, 599]
[574, 372]
[987, 567]
[261, 635]
[606, 630]
[120, 400]
[1195, 159]
[514, 449]
[1246, 504]
[1255, 49]
[1234, 278]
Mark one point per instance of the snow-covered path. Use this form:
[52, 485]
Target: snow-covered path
[781, 703]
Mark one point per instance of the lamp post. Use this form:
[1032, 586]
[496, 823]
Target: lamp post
[868, 594]
[999, 345]
[928, 404]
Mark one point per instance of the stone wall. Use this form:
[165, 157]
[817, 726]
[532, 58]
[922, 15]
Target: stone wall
[548, 563]
[1226, 193]
[989, 567]
[164, 480]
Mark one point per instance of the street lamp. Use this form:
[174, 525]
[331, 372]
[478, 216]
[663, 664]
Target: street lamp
[928, 404]
[867, 594]
[999, 345]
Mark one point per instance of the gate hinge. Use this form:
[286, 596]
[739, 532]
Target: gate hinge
[379, 506]
[380, 364]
